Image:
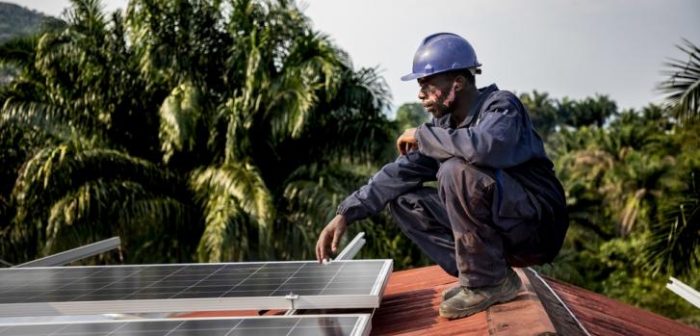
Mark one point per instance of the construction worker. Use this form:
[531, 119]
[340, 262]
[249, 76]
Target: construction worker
[498, 203]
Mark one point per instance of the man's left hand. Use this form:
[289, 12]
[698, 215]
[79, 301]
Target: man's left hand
[407, 141]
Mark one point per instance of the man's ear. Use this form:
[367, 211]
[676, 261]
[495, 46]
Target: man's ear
[459, 83]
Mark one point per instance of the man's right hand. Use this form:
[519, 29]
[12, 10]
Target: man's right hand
[329, 238]
[407, 141]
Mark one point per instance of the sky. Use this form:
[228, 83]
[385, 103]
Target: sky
[574, 48]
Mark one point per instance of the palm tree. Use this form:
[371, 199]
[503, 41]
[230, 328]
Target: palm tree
[70, 103]
[542, 112]
[674, 246]
[587, 112]
[683, 84]
[190, 121]
[289, 99]
[674, 242]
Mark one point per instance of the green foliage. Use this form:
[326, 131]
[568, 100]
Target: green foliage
[675, 238]
[633, 207]
[411, 115]
[234, 196]
[631, 183]
[630, 282]
[589, 111]
[182, 127]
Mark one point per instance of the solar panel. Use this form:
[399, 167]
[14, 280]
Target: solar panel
[188, 287]
[337, 325]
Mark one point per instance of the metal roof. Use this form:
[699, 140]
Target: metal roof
[411, 300]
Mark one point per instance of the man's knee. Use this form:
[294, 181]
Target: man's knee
[455, 174]
[419, 209]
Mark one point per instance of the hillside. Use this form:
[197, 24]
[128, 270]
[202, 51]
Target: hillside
[16, 20]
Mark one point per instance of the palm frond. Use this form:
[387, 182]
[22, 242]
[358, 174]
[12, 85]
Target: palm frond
[682, 88]
[101, 208]
[50, 119]
[232, 128]
[179, 117]
[233, 197]
[373, 90]
[226, 235]
[675, 243]
[292, 99]
[311, 195]
[53, 171]
[18, 51]
[638, 185]
[89, 192]
[352, 124]
[313, 64]
[316, 190]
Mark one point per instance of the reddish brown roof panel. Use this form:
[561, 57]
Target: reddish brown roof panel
[411, 303]
[412, 297]
[601, 315]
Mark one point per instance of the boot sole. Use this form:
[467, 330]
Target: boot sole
[479, 308]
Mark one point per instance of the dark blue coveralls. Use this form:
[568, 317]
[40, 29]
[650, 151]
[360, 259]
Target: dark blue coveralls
[498, 202]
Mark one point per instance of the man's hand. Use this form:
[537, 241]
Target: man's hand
[407, 141]
[329, 238]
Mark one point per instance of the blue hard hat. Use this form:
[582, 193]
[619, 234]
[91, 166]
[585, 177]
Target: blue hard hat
[442, 52]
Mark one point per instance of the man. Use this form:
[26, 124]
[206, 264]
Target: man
[498, 203]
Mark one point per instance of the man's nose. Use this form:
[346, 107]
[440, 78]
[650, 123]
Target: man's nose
[421, 94]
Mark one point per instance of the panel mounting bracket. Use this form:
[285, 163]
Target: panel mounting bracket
[352, 248]
[291, 297]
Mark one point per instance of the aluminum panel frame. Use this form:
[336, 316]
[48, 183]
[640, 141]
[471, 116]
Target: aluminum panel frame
[362, 326]
[286, 302]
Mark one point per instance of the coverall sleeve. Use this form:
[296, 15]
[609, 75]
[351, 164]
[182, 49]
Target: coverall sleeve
[393, 180]
[496, 141]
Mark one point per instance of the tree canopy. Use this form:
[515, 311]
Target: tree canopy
[193, 129]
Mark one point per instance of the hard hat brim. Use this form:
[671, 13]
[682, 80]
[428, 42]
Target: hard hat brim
[474, 70]
[413, 76]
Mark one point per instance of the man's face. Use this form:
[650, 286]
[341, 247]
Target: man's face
[437, 93]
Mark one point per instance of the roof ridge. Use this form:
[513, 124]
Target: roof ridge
[564, 320]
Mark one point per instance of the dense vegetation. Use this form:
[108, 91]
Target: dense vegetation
[631, 179]
[208, 130]
[194, 130]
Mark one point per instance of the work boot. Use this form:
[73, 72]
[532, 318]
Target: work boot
[469, 301]
[450, 292]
